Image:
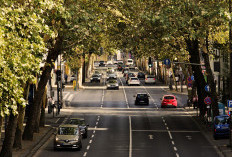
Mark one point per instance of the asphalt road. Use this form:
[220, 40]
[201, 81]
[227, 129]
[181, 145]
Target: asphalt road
[118, 128]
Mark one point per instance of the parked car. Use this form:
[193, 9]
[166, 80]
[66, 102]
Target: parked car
[150, 79]
[82, 125]
[221, 126]
[101, 64]
[141, 75]
[68, 136]
[168, 101]
[98, 73]
[141, 98]
[95, 78]
[112, 84]
[133, 81]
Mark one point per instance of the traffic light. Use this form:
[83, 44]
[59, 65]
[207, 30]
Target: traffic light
[58, 75]
[149, 62]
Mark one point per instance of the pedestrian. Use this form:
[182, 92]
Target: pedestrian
[195, 102]
[66, 78]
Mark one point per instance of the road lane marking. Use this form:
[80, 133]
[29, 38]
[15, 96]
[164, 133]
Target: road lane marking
[90, 141]
[85, 154]
[124, 93]
[151, 137]
[88, 147]
[170, 135]
[66, 95]
[70, 97]
[96, 123]
[173, 143]
[177, 155]
[167, 128]
[174, 131]
[175, 148]
[130, 147]
[94, 131]
[92, 136]
[57, 120]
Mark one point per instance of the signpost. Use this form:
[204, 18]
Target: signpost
[192, 78]
[207, 89]
[167, 62]
[208, 100]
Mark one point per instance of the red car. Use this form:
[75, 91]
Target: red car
[168, 101]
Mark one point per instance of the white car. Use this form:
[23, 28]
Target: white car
[149, 79]
[133, 81]
[129, 62]
[111, 76]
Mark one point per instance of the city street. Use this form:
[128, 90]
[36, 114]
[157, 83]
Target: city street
[119, 128]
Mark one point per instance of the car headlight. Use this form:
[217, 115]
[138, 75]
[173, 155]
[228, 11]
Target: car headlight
[98, 78]
[108, 85]
[57, 139]
[116, 84]
[91, 78]
[218, 127]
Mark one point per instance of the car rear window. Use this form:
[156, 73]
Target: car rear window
[134, 79]
[169, 97]
[150, 76]
[222, 120]
[142, 95]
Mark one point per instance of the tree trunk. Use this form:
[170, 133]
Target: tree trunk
[52, 56]
[21, 111]
[230, 50]
[193, 49]
[210, 79]
[1, 122]
[9, 137]
[44, 104]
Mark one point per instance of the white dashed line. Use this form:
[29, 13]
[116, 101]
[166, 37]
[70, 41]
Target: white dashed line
[175, 148]
[130, 147]
[170, 135]
[92, 136]
[95, 127]
[177, 155]
[85, 154]
[173, 143]
[90, 141]
[88, 147]
[94, 132]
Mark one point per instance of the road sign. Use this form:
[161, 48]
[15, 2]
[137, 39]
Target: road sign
[167, 61]
[190, 84]
[192, 78]
[229, 103]
[207, 89]
[207, 100]
[189, 79]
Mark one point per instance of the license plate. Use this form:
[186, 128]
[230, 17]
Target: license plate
[169, 104]
[141, 101]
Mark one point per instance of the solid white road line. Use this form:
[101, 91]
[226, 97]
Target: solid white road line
[173, 143]
[66, 95]
[130, 146]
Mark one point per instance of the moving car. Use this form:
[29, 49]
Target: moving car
[168, 101]
[97, 73]
[128, 75]
[95, 78]
[141, 75]
[112, 84]
[129, 62]
[111, 76]
[68, 136]
[82, 125]
[133, 81]
[149, 79]
[142, 98]
[221, 126]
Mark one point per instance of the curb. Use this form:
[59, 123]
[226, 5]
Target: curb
[39, 143]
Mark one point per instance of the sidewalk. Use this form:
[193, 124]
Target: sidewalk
[29, 148]
[221, 145]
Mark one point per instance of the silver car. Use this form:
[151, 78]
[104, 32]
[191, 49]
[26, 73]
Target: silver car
[133, 81]
[112, 84]
[68, 136]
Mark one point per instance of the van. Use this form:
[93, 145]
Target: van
[129, 62]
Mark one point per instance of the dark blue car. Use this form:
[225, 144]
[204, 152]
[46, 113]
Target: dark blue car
[221, 126]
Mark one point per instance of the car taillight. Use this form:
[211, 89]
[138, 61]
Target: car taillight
[146, 79]
[153, 78]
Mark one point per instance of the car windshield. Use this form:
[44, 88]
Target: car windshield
[112, 81]
[150, 77]
[129, 61]
[222, 120]
[77, 122]
[169, 97]
[134, 79]
[131, 74]
[67, 131]
[95, 75]
[142, 95]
